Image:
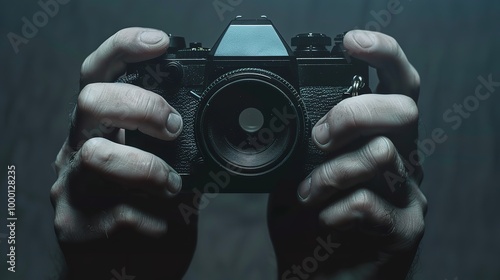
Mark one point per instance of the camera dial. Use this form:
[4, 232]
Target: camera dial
[311, 45]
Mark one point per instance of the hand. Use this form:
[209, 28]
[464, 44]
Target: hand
[115, 205]
[360, 214]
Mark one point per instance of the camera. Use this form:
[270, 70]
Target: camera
[248, 104]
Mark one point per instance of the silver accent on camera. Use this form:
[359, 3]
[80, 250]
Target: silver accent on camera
[356, 85]
[197, 96]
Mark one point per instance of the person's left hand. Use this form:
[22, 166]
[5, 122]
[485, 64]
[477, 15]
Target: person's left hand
[360, 214]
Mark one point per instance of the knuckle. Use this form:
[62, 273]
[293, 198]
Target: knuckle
[121, 214]
[374, 216]
[151, 105]
[380, 152]
[124, 216]
[84, 72]
[363, 201]
[93, 153]
[416, 77]
[89, 98]
[121, 39]
[393, 44]
[326, 176]
[335, 175]
[127, 218]
[409, 113]
[392, 50]
[125, 40]
[150, 166]
[414, 82]
[344, 114]
[117, 215]
[56, 192]
[151, 108]
[419, 201]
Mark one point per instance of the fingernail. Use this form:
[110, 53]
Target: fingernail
[364, 40]
[174, 182]
[152, 37]
[305, 188]
[174, 123]
[321, 134]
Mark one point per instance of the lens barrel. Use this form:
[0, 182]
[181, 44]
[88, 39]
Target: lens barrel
[250, 122]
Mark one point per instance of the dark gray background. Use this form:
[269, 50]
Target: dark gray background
[450, 43]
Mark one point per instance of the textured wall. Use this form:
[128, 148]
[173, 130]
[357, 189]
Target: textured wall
[450, 43]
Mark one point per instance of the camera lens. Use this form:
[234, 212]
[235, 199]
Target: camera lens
[250, 122]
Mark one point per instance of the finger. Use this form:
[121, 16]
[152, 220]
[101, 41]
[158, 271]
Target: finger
[125, 166]
[128, 45]
[350, 169]
[72, 225]
[370, 214]
[124, 217]
[383, 52]
[365, 115]
[105, 107]
[363, 210]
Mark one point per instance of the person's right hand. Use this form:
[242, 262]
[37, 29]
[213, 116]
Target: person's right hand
[115, 205]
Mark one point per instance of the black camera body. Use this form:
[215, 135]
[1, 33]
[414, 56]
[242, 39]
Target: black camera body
[248, 105]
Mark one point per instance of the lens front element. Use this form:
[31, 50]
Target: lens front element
[251, 120]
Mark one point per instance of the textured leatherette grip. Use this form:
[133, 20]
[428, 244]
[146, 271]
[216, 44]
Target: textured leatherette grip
[319, 100]
[180, 152]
